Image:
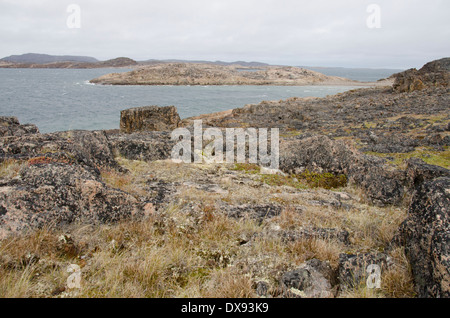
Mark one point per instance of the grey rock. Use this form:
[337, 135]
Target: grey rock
[426, 237]
[310, 280]
[10, 126]
[145, 146]
[418, 172]
[88, 148]
[57, 194]
[257, 212]
[354, 270]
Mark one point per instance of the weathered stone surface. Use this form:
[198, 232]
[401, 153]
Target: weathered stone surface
[149, 118]
[426, 237]
[10, 126]
[88, 148]
[311, 280]
[354, 270]
[419, 172]
[55, 194]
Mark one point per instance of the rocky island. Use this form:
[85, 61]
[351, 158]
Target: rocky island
[358, 208]
[213, 74]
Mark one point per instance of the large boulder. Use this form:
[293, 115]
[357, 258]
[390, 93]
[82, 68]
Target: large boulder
[426, 237]
[149, 118]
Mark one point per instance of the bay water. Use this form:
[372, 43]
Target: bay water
[63, 99]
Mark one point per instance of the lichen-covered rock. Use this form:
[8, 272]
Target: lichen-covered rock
[145, 146]
[355, 270]
[257, 212]
[149, 118]
[316, 233]
[311, 280]
[56, 194]
[10, 126]
[418, 172]
[88, 148]
[426, 237]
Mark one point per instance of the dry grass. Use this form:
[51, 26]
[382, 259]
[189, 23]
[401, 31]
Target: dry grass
[199, 252]
[10, 168]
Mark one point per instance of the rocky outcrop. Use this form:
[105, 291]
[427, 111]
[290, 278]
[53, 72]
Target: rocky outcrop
[10, 126]
[433, 74]
[426, 237]
[55, 194]
[88, 148]
[60, 182]
[149, 118]
[419, 172]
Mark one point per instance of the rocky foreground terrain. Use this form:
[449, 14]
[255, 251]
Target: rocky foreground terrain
[358, 208]
[211, 74]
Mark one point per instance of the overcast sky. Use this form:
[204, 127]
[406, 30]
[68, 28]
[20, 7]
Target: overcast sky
[288, 32]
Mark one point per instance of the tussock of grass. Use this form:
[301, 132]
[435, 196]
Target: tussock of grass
[10, 168]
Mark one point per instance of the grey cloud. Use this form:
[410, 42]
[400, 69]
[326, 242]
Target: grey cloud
[322, 32]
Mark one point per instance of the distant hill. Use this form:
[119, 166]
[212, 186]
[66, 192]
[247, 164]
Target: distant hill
[114, 63]
[242, 63]
[34, 58]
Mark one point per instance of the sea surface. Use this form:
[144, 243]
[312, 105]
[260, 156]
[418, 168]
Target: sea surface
[63, 99]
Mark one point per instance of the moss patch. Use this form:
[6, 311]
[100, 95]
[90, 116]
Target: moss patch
[304, 180]
[432, 157]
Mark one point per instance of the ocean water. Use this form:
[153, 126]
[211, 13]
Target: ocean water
[357, 74]
[63, 99]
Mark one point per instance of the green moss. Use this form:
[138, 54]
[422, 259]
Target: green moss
[369, 125]
[432, 157]
[247, 168]
[300, 181]
[277, 180]
[323, 180]
[290, 133]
